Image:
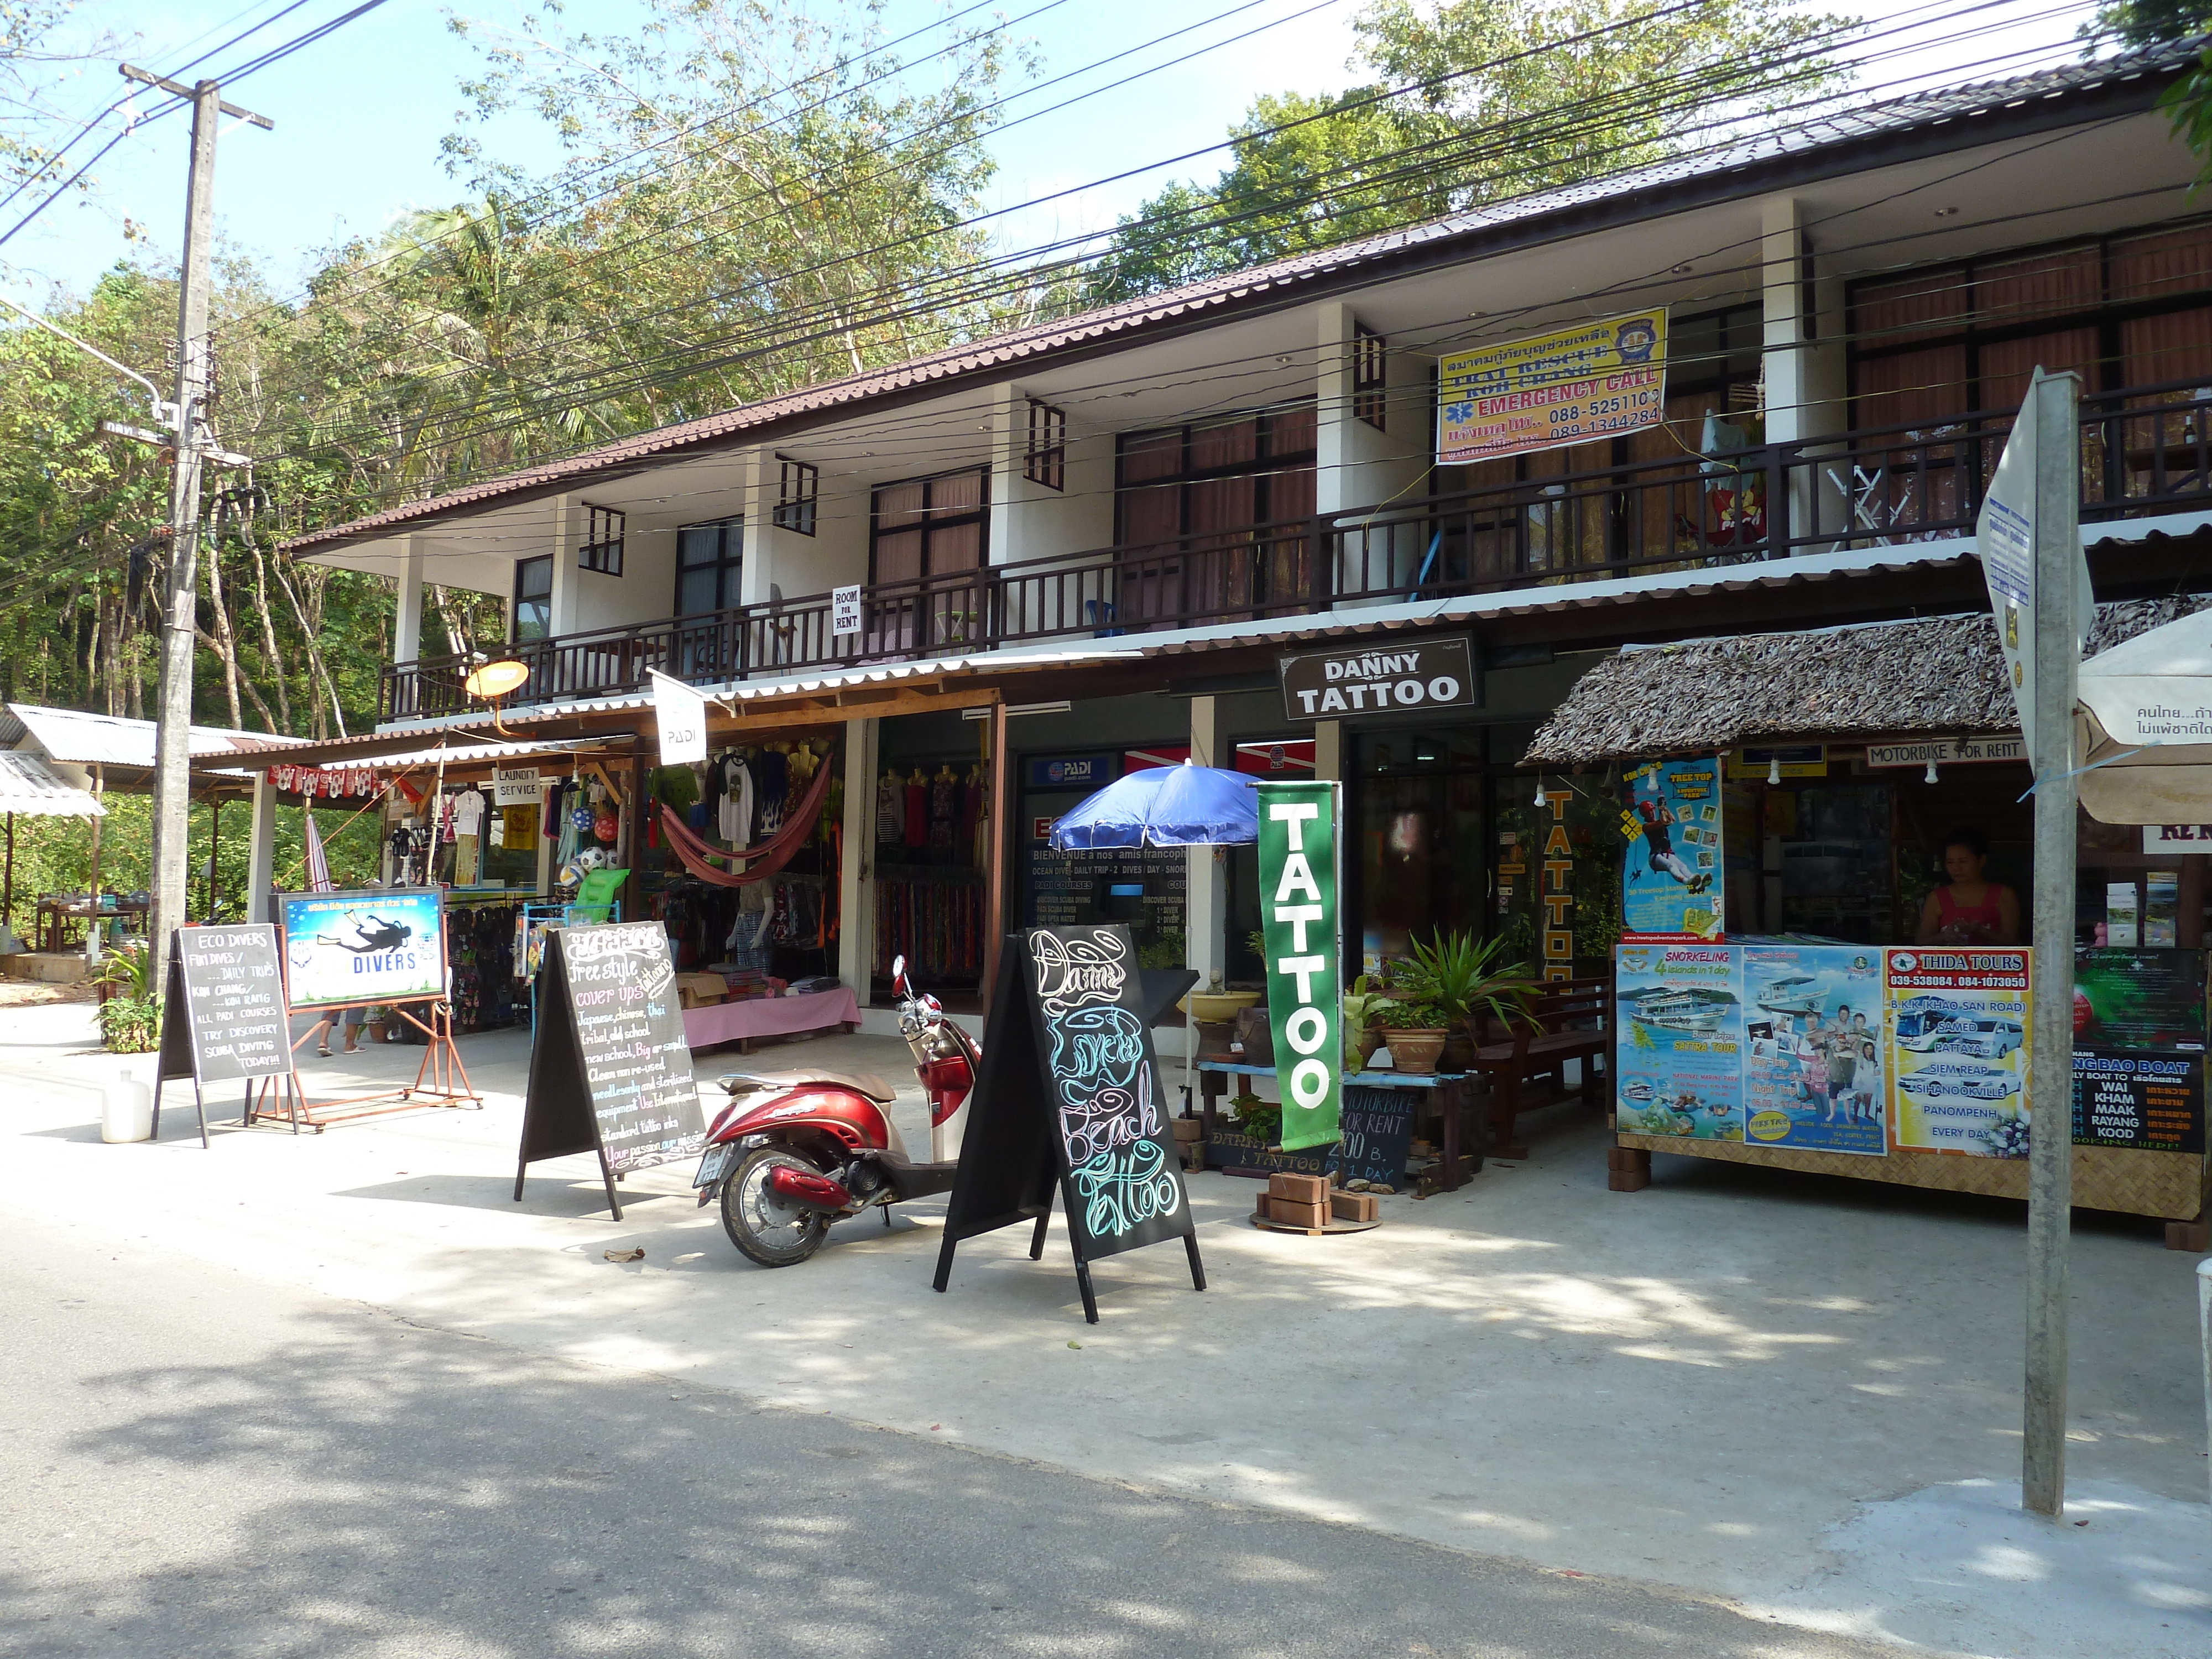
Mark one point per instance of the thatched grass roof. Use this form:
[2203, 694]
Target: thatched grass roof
[1927, 676]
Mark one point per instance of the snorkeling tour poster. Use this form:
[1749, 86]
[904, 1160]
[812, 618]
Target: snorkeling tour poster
[1670, 869]
[1813, 1074]
[1678, 1061]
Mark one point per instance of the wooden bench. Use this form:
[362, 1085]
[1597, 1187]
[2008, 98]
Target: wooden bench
[1567, 1019]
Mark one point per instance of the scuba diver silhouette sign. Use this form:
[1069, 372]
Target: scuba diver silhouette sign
[342, 948]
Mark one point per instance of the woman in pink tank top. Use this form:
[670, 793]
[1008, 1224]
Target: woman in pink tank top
[1969, 910]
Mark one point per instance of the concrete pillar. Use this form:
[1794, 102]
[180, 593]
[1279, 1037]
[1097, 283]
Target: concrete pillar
[407, 621]
[567, 536]
[1328, 751]
[261, 850]
[1206, 915]
[856, 874]
[1009, 421]
[1332, 441]
[760, 487]
[1804, 374]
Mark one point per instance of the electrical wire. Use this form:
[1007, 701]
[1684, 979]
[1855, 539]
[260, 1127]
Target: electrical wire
[938, 300]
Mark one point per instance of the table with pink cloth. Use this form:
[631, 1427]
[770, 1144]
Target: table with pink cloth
[760, 1016]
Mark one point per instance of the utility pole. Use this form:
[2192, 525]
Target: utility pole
[180, 603]
[2061, 617]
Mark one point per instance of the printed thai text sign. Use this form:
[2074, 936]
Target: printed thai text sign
[1596, 379]
[2150, 1102]
[1957, 1029]
[1813, 1074]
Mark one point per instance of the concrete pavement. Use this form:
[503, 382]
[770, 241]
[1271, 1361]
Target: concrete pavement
[1761, 1388]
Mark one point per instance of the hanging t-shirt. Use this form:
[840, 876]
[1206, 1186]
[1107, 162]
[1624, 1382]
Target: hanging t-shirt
[944, 809]
[770, 782]
[738, 797]
[890, 809]
[468, 813]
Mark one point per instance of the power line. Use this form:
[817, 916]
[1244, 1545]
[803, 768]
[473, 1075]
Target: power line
[1606, 107]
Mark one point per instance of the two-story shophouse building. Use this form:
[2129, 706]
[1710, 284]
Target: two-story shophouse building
[1094, 540]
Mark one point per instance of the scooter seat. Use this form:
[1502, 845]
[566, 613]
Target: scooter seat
[863, 1083]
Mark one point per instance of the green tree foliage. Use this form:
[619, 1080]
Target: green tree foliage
[1514, 96]
[2147, 22]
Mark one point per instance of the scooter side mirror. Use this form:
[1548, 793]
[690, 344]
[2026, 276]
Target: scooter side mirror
[898, 969]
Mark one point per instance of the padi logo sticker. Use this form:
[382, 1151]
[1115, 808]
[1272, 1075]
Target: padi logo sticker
[1430, 674]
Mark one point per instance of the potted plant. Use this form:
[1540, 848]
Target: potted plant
[1416, 1032]
[130, 1019]
[1360, 1036]
[1262, 1120]
[1464, 978]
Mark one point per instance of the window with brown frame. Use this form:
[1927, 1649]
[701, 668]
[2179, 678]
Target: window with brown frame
[799, 488]
[930, 526]
[2126, 312]
[602, 550]
[1045, 461]
[1371, 376]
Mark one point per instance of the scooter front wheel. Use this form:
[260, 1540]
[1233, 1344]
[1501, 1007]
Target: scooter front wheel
[769, 1228]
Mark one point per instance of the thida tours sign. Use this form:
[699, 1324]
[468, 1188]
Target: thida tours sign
[1298, 920]
[1596, 379]
[1425, 674]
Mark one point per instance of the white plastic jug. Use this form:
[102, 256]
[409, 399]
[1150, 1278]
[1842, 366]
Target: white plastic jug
[126, 1110]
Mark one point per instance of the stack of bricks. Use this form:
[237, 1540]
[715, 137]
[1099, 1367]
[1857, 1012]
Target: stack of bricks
[1295, 1200]
[1304, 1200]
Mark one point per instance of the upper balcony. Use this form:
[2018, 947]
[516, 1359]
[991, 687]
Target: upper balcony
[2145, 452]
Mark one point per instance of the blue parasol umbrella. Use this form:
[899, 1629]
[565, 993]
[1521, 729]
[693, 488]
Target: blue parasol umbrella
[1184, 805]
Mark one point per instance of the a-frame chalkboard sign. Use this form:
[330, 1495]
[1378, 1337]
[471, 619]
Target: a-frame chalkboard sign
[1069, 1094]
[610, 1070]
[223, 1017]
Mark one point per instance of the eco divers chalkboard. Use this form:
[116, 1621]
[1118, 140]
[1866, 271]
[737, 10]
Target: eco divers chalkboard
[1069, 1092]
[610, 1070]
[225, 1019]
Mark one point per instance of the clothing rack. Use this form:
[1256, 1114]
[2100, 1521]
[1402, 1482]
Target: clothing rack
[934, 919]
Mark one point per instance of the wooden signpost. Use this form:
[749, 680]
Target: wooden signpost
[1069, 1094]
[610, 1071]
[225, 1018]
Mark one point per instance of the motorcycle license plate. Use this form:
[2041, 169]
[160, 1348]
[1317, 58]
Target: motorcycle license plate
[716, 1165]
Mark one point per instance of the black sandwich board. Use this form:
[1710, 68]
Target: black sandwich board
[1070, 1093]
[610, 1070]
[1377, 1130]
[224, 1015]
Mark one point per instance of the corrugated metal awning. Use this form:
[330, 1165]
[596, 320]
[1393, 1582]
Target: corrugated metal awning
[29, 786]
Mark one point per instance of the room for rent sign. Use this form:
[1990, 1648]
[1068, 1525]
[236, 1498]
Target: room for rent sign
[1596, 379]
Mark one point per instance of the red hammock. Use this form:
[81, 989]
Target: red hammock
[762, 860]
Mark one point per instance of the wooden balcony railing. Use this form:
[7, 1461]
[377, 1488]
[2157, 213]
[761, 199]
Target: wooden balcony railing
[2144, 451]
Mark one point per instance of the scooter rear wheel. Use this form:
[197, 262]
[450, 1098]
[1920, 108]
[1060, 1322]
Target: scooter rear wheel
[771, 1230]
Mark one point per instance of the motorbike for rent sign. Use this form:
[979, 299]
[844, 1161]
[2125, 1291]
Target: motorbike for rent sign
[1958, 1025]
[1427, 674]
[1671, 868]
[1596, 379]
[1298, 920]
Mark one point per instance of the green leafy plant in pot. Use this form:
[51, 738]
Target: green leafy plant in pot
[1415, 1031]
[130, 1020]
[1361, 1036]
[1466, 980]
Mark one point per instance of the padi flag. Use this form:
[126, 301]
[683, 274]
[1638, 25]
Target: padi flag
[681, 715]
[1298, 914]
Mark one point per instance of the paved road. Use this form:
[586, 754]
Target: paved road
[199, 1463]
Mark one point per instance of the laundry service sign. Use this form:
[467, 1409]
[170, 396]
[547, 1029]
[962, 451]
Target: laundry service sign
[1423, 675]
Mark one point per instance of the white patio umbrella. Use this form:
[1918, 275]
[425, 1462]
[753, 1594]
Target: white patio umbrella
[2143, 720]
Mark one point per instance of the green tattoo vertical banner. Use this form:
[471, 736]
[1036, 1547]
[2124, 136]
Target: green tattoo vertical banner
[1298, 916]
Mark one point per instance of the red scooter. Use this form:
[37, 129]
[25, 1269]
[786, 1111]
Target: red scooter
[795, 1151]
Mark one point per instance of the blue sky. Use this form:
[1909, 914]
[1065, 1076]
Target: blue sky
[359, 116]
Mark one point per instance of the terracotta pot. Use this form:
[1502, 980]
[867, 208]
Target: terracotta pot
[1365, 1042]
[1459, 1049]
[1258, 1037]
[1214, 1037]
[1418, 1050]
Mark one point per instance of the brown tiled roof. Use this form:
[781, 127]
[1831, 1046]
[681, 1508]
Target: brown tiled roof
[1647, 192]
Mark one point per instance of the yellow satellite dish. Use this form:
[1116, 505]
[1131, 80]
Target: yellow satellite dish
[493, 680]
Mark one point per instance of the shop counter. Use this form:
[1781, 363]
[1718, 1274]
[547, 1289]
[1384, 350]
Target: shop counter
[714, 1024]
